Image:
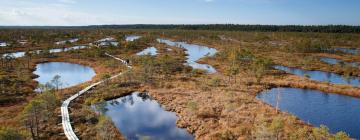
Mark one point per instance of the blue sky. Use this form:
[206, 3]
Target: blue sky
[91, 12]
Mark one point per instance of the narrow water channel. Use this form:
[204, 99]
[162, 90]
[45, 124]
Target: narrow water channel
[139, 117]
[322, 76]
[338, 112]
[195, 52]
[64, 42]
[56, 50]
[333, 61]
[347, 50]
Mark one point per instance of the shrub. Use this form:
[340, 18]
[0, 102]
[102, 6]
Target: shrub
[215, 81]
[260, 67]
[321, 133]
[10, 134]
[193, 106]
[341, 136]
[276, 126]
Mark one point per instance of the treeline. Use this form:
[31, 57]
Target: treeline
[215, 27]
[238, 27]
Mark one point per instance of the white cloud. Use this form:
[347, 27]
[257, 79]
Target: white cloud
[67, 1]
[63, 15]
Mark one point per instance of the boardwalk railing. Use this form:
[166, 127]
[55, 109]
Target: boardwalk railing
[68, 130]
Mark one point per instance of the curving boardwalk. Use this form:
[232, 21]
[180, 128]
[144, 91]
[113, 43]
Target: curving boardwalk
[68, 130]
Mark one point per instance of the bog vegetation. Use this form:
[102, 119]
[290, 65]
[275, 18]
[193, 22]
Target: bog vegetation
[244, 63]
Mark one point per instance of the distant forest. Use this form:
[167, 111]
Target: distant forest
[236, 27]
[216, 27]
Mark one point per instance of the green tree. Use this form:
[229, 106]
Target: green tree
[148, 67]
[232, 71]
[260, 67]
[40, 109]
[32, 116]
[50, 103]
[29, 54]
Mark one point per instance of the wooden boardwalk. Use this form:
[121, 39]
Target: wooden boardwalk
[66, 123]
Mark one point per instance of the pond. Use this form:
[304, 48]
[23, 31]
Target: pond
[138, 117]
[321, 76]
[107, 42]
[334, 61]
[338, 112]
[56, 50]
[3, 44]
[195, 52]
[64, 42]
[106, 39]
[132, 38]
[15, 54]
[70, 74]
[148, 51]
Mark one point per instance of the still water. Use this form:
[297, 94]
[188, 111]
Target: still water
[132, 38]
[138, 117]
[57, 50]
[322, 76]
[338, 112]
[148, 51]
[347, 50]
[195, 52]
[71, 74]
[334, 61]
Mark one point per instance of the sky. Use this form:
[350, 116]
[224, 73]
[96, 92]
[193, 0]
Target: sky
[99, 12]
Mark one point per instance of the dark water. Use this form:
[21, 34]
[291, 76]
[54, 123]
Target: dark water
[195, 52]
[322, 76]
[334, 61]
[132, 38]
[138, 117]
[22, 53]
[148, 51]
[71, 74]
[338, 112]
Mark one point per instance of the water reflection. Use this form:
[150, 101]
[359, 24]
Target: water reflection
[71, 74]
[334, 61]
[138, 116]
[347, 50]
[3, 44]
[148, 51]
[195, 52]
[57, 50]
[338, 112]
[132, 38]
[64, 42]
[322, 76]
[107, 42]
